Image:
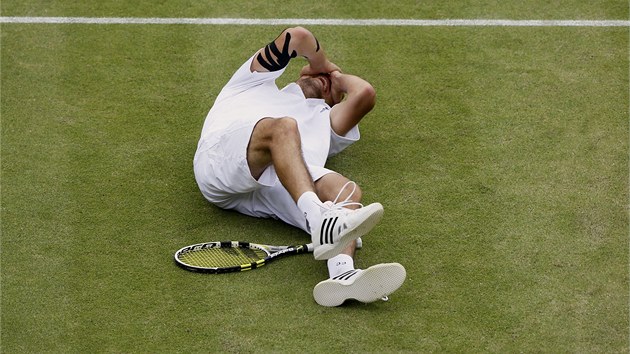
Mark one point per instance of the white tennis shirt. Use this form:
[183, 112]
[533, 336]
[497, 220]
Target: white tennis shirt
[251, 96]
[221, 167]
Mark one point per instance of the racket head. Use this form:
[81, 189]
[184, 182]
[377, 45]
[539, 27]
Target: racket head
[222, 257]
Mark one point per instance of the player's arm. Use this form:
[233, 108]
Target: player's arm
[360, 98]
[293, 42]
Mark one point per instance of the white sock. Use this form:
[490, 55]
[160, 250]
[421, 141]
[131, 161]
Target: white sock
[310, 205]
[339, 264]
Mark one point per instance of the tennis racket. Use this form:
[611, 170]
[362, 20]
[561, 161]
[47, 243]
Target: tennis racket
[232, 256]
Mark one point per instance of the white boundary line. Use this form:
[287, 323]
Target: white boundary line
[307, 21]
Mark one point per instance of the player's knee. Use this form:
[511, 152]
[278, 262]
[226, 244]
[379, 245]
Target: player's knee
[358, 194]
[354, 194]
[286, 128]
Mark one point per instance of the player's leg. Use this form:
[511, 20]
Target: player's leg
[277, 142]
[346, 282]
[329, 187]
[358, 220]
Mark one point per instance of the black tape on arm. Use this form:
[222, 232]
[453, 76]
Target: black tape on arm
[282, 57]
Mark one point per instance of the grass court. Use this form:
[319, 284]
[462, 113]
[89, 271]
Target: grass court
[500, 154]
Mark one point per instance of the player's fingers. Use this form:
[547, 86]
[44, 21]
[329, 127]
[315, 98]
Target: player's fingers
[306, 70]
[332, 67]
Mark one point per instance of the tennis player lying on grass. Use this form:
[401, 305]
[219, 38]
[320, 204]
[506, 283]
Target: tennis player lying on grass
[262, 152]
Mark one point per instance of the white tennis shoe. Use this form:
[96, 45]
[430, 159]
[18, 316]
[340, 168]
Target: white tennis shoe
[340, 225]
[369, 285]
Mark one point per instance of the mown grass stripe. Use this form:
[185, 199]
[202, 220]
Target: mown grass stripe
[320, 22]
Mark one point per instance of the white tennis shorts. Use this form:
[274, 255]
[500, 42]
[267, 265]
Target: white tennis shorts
[224, 178]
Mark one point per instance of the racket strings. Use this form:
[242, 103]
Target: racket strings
[222, 257]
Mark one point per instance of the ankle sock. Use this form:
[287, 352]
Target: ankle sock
[339, 264]
[310, 205]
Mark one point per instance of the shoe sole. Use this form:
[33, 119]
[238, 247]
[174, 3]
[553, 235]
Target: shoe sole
[375, 213]
[371, 285]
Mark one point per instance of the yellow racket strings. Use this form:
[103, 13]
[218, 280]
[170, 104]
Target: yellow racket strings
[222, 257]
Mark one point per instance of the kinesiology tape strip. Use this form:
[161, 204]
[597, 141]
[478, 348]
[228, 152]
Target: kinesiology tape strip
[281, 57]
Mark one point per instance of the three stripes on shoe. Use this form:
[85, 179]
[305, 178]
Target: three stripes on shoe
[326, 233]
[346, 275]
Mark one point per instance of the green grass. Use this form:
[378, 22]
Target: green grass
[529, 9]
[500, 155]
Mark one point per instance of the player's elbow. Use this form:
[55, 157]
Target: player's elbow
[368, 96]
[299, 33]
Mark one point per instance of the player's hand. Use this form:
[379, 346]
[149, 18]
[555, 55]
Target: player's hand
[337, 90]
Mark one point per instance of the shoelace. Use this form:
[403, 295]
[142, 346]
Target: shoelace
[336, 204]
